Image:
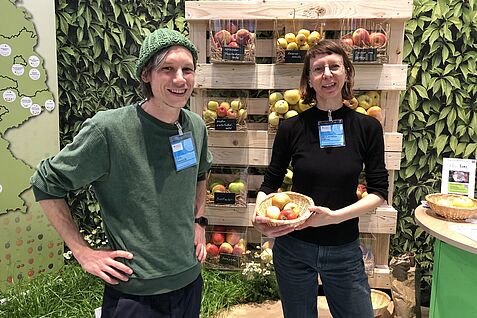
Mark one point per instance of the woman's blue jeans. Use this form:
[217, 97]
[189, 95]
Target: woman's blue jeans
[341, 269]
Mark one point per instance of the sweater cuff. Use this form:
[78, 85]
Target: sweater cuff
[40, 195]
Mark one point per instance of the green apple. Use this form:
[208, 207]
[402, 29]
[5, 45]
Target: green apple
[290, 113]
[375, 97]
[274, 97]
[236, 104]
[212, 105]
[273, 119]
[365, 101]
[281, 106]
[281, 42]
[209, 115]
[236, 187]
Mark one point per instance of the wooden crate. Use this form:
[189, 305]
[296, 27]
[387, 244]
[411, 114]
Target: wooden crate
[253, 147]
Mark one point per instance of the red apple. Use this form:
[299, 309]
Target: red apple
[233, 44]
[377, 39]
[347, 41]
[287, 215]
[226, 248]
[219, 188]
[221, 111]
[361, 37]
[232, 237]
[212, 249]
[232, 114]
[218, 238]
[223, 37]
[243, 36]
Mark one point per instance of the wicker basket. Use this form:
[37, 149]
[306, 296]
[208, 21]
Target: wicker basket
[380, 301]
[301, 200]
[435, 202]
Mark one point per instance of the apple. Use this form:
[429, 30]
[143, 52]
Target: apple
[361, 110]
[239, 249]
[375, 97]
[287, 215]
[360, 37]
[217, 238]
[280, 199]
[219, 188]
[221, 111]
[223, 37]
[365, 193]
[302, 106]
[267, 244]
[353, 103]
[272, 212]
[293, 207]
[282, 42]
[236, 105]
[225, 248]
[365, 101]
[292, 96]
[313, 38]
[463, 202]
[212, 105]
[212, 250]
[266, 255]
[232, 114]
[375, 111]
[306, 32]
[232, 237]
[243, 36]
[358, 194]
[209, 115]
[347, 41]
[290, 37]
[225, 104]
[274, 119]
[378, 39]
[305, 47]
[236, 187]
[233, 44]
[242, 115]
[281, 106]
[300, 39]
[292, 46]
[274, 97]
[290, 114]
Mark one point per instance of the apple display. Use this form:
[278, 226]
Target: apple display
[212, 250]
[361, 37]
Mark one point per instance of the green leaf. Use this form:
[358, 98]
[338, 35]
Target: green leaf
[440, 143]
[470, 149]
[422, 91]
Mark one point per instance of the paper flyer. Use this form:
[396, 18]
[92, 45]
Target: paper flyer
[458, 176]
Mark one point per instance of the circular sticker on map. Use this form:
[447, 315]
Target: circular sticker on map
[5, 49]
[34, 74]
[9, 95]
[35, 109]
[18, 69]
[49, 105]
[34, 61]
[26, 102]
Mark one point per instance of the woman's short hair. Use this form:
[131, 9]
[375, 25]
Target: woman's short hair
[308, 93]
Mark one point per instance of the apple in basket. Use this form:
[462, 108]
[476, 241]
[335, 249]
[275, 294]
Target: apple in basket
[280, 200]
[287, 215]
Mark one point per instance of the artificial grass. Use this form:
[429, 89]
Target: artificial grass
[72, 293]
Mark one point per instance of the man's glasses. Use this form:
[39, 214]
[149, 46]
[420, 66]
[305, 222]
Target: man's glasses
[320, 70]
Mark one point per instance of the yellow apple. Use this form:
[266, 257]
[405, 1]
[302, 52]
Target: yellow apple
[292, 206]
[226, 105]
[313, 38]
[236, 104]
[212, 105]
[280, 199]
[282, 42]
[272, 212]
[375, 97]
[305, 32]
[292, 46]
[300, 39]
[290, 113]
[302, 106]
[305, 47]
[281, 106]
[365, 101]
[292, 96]
[361, 110]
[290, 37]
[273, 119]
[375, 111]
[274, 97]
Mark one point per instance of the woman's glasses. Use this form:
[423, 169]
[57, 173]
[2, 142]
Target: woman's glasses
[320, 70]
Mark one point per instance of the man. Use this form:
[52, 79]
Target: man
[147, 163]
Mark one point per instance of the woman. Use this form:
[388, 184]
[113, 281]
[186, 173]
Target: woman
[327, 146]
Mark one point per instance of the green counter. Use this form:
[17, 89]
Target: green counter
[454, 276]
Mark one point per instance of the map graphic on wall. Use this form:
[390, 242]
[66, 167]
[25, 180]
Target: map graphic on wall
[28, 133]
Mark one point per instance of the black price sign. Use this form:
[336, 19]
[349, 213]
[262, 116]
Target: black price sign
[224, 198]
[228, 259]
[294, 56]
[233, 53]
[365, 55]
[225, 124]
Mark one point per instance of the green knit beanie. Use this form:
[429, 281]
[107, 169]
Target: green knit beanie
[159, 40]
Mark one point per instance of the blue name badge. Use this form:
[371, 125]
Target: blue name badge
[183, 150]
[331, 133]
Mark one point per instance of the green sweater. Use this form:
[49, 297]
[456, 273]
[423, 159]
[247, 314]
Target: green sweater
[146, 205]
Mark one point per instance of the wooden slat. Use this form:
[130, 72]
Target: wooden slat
[285, 76]
[305, 9]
